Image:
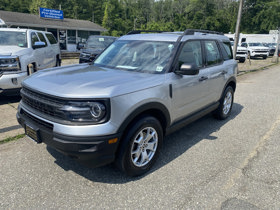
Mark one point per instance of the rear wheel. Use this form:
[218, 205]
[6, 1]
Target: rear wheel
[140, 147]
[226, 102]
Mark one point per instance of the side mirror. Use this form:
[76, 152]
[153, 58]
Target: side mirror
[38, 45]
[80, 45]
[188, 69]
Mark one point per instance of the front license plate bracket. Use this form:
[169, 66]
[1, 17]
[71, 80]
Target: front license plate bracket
[33, 133]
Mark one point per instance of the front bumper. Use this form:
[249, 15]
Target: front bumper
[11, 81]
[241, 56]
[259, 54]
[92, 150]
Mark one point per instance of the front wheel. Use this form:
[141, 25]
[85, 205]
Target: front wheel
[140, 147]
[226, 102]
[242, 60]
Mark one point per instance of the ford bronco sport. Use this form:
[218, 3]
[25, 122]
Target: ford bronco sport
[142, 87]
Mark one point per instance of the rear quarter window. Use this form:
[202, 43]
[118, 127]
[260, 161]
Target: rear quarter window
[227, 51]
[51, 38]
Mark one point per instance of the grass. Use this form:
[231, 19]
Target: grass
[12, 138]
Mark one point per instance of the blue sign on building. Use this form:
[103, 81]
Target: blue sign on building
[51, 13]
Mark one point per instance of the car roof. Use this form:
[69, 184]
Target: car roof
[13, 29]
[172, 36]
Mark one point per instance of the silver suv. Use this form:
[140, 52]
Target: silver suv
[119, 108]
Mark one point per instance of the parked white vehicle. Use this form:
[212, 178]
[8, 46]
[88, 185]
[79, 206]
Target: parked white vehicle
[256, 49]
[241, 53]
[22, 52]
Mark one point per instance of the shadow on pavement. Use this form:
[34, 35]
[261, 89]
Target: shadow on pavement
[9, 99]
[174, 145]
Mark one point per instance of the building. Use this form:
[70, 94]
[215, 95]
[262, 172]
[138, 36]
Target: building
[68, 31]
[261, 38]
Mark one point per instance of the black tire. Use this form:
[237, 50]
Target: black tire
[135, 146]
[57, 62]
[226, 102]
[241, 60]
[264, 57]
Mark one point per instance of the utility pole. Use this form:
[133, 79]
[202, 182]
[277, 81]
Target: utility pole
[276, 54]
[237, 29]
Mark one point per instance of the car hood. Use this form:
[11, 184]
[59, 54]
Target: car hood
[93, 50]
[87, 81]
[9, 50]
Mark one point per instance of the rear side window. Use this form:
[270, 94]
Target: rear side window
[42, 38]
[213, 55]
[51, 38]
[228, 51]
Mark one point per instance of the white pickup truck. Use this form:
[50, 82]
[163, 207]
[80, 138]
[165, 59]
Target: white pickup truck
[22, 52]
[256, 49]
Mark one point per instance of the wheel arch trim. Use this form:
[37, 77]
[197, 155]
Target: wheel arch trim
[154, 109]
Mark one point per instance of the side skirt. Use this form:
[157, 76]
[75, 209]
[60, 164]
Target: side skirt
[189, 119]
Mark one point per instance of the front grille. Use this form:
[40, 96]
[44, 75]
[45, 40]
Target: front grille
[261, 51]
[43, 104]
[39, 122]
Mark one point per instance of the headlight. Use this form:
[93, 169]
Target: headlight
[87, 112]
[8, 64]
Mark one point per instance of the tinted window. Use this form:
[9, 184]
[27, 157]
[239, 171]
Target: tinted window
[51, 38]
[34, 38]
[42, 38]
[212, 53]
[228, 50]
[191, 53]
[99, 42]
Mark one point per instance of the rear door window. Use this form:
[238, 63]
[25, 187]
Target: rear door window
[213, 56]
[51, 38]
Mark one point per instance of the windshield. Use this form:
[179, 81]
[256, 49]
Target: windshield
[142, 56]
[13, 38]
[255, 44]
[99, 42]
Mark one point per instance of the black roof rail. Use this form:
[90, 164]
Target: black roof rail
[192, 31]
[143, 31]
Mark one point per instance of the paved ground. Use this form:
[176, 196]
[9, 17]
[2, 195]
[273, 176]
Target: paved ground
[210, 164]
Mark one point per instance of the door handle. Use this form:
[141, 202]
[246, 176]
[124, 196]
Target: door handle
[202, 78]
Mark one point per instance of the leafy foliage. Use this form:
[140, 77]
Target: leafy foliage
[121, 16]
